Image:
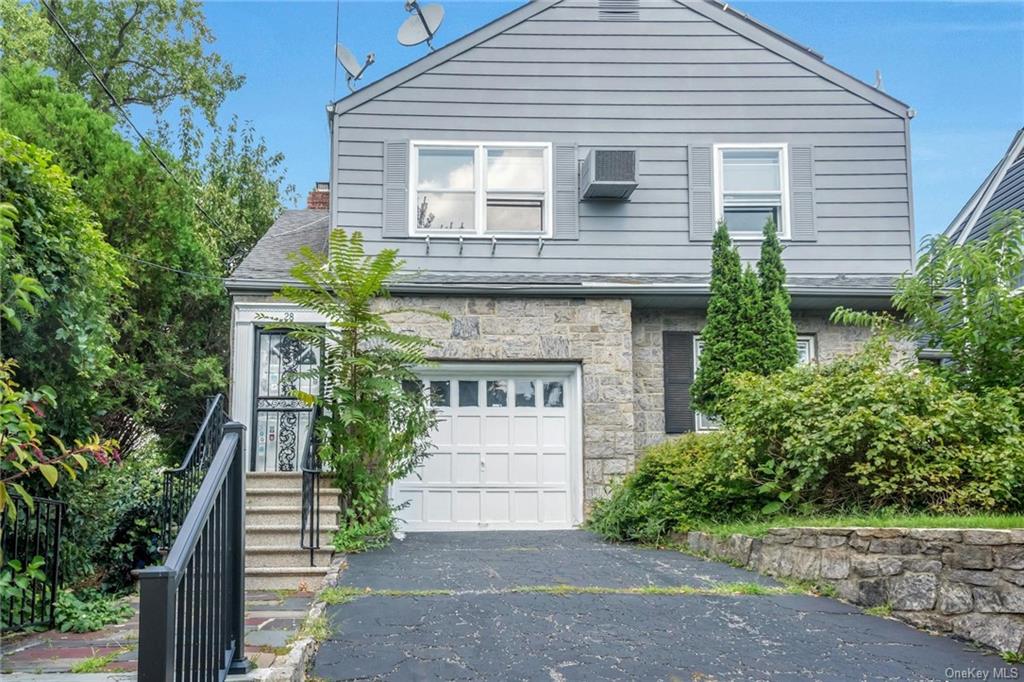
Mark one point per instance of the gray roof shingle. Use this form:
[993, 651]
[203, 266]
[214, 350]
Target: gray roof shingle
[292, 230]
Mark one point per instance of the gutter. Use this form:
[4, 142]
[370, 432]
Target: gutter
[572, 290]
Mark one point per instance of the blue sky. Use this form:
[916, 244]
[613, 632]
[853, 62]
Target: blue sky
[959, 64]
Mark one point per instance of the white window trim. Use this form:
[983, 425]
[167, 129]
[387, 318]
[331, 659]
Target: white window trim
[783, 148]
[701, 422]
[480, 191]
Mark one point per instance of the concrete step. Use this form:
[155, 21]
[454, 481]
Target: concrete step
[286, 514]
[306, 578]
[290, 555]
[271, 498]
[273, 480]
[276, 535]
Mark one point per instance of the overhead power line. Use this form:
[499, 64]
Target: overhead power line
[124, 113]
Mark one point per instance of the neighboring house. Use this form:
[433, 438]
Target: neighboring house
[1002, 190]
[500, 167]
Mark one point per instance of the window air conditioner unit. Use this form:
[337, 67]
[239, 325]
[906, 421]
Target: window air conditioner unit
[608, 174]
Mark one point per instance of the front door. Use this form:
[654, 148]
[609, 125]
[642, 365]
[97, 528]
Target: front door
[280, 421]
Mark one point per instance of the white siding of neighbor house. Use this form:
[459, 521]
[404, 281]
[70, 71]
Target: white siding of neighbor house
[670, 79]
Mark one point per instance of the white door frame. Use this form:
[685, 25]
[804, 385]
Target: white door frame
[574, 407]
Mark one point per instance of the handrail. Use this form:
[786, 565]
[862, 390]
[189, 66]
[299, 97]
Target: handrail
[309, 534]
[191, 609]
[181, 483]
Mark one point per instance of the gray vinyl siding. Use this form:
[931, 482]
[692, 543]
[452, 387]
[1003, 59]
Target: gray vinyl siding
[672, 79]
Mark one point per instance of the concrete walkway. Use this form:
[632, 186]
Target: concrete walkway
[488, 606]
[272, 619]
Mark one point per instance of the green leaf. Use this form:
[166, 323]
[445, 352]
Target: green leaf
[50, 473]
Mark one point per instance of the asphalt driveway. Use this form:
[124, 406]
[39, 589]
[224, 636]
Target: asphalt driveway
[488, 606]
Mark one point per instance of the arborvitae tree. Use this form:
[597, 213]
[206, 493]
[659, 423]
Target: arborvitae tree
[777, 345]
[720, 339]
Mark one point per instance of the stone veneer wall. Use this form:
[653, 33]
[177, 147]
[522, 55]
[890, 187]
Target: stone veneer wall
[592, 331]
[966, 582]
[648, 383]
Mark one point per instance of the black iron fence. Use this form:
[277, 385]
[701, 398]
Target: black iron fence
[311, 471]
[182, 484]
[191, 609]
[30, 563]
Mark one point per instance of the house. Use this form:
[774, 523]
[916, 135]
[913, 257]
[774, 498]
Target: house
[553, 180]
[1002, 190]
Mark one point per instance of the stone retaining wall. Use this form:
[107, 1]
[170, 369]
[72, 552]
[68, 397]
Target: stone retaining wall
[969, 583]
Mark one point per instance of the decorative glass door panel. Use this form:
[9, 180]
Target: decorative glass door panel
[280, 420]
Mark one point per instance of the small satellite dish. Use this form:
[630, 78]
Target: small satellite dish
[351, 65]
[422, 25]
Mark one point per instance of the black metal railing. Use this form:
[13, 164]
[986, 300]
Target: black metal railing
[191, 609]
[30, 555]
[182, 484]
[311, 470]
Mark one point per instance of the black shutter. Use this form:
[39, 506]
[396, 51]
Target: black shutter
[677, 360]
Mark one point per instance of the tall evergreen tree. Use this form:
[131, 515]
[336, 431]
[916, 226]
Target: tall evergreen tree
[777, 345]
[720, 339]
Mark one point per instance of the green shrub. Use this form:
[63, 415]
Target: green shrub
[865, 432]
[88, 611]
[675, 482]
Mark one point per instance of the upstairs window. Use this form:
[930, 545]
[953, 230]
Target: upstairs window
[481, 190]
[751, 187]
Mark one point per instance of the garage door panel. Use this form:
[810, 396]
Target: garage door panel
[526, 506]
[496, 431]
[525, 467]
[555, 433]
[467, 430]
[502, 454]
[524, 431]
[437, 468]
[467, 468]
[441, 434]
[496, 506]
[496, 467]
[439, 506]
[554, 468]
[554, 507]
[467, 506]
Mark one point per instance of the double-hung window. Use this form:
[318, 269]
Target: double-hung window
[479, 189]
[805, 355]
[751, 187]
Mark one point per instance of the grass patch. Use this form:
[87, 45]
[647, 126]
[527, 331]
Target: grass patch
[759, 527]
[316, 627]
[1012, 657]
[95, 664]
[882, 611]
[342, 595]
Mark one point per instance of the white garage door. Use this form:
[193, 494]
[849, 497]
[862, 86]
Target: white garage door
[505, 452]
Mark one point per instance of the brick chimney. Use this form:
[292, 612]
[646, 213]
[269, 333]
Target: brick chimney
[319, 197]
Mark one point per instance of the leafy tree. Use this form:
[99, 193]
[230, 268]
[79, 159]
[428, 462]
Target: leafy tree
[374, 429]
[966, 300]
[149, 52]
[171, 348]
[69, 340]
[777, 345]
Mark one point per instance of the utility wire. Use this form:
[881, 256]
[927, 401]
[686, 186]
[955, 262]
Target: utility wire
[142, 138]
[170, 269]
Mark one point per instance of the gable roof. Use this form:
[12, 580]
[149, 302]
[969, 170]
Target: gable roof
[713, 10]
[1004, 185]
[292, 230]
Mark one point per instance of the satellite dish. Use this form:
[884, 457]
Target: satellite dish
[422, 25]
[351, 65]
